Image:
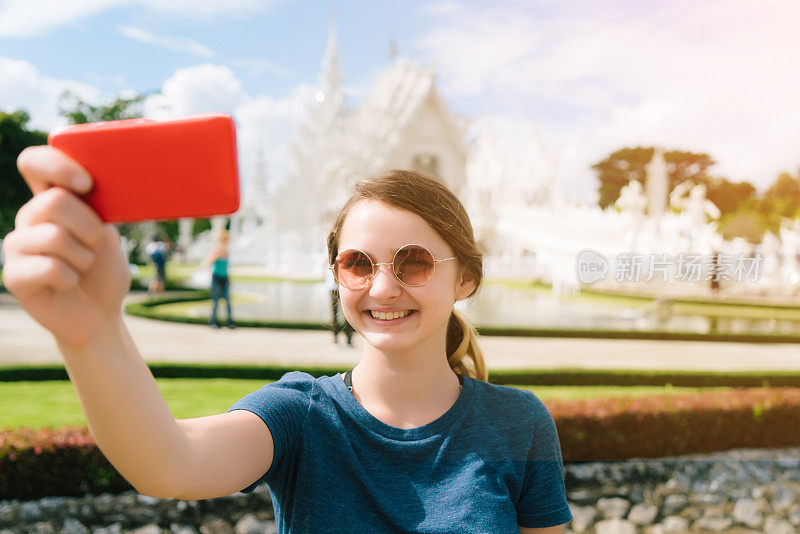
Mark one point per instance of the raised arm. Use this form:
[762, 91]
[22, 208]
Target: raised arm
[198, 458]
[67, 269]
[212, 256]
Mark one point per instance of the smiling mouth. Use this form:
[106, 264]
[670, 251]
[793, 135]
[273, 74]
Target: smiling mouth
[389, 316]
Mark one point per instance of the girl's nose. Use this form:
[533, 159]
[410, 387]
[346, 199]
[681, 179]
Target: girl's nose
[384, 283]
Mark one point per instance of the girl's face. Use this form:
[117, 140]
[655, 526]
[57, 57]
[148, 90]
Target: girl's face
[379, 230]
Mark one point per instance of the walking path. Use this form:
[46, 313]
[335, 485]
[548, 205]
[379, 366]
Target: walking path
[24, 342]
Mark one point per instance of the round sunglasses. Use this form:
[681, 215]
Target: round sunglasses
[412, 265]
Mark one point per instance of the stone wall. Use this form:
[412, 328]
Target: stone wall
[738, 491]
[131, 512]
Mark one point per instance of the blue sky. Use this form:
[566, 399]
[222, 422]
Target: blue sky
[715, 76]
[272, 47]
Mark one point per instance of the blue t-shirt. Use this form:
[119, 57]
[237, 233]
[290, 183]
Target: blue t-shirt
[490, 463]
[220, 268]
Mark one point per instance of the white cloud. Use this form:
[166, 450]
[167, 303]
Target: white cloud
[19, 18]
[200, 89]
[22, 86]
[26, 17]
[717, 77]
[176, 44]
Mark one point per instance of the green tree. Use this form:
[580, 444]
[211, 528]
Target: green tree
[618, 169]
[14, 138]
[728, 196]
[751, 221]
[78, 111]
[785, 194]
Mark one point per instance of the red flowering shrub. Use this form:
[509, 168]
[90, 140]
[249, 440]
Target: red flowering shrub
[652, 427]
[66, 461]
[37, 463]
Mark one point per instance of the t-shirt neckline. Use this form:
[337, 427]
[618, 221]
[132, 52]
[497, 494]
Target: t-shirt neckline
[366, 419]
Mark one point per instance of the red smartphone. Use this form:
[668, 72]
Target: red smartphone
[148, 169]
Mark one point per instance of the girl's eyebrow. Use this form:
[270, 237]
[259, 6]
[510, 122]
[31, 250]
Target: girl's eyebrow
[390, 252]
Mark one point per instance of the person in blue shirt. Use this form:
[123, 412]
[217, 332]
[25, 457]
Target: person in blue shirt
[413, 439]
[220, 283]
[158, 250]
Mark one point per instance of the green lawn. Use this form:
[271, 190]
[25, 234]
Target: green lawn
[55, 403]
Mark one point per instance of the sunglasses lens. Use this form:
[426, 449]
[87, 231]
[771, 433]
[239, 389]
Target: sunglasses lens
[353, 268]
[413, 265]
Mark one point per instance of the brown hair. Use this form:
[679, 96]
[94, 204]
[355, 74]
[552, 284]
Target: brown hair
[440, 208]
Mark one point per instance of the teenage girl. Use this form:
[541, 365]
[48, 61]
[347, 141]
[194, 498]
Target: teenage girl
[413, 439]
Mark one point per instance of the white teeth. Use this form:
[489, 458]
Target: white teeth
[388, 316]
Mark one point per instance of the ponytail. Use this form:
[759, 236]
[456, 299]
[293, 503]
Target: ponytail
[463, 353]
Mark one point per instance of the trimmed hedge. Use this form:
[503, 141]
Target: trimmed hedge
[67, 462]
[528, 377]
[653, 427]
[170, 284]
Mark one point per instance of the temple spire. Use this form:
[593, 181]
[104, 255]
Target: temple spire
[331, 77]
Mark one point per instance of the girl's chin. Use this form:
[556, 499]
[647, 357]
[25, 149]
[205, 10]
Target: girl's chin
[382, 339]
[385, 342]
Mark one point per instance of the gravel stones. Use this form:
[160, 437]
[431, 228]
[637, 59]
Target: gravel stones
[613, 508]
[643, 514]
[740, 491]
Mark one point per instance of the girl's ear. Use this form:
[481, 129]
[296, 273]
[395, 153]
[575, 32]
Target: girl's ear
[465, 285]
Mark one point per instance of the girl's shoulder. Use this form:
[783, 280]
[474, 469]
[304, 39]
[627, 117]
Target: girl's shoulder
[510, 401]
[296, 380]
[298, 383]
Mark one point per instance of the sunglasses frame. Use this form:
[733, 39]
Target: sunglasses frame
[375, 266]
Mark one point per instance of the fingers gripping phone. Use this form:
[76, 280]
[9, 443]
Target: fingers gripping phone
[147, 169]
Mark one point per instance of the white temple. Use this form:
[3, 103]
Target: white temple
[521, 220]
[402, 123]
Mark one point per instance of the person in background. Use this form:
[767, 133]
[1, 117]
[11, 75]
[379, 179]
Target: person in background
[158, 251]
[220, 283]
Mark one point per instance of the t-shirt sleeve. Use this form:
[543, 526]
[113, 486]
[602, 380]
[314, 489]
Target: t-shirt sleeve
[283, 406]
[543, 500]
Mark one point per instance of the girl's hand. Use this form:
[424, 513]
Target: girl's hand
[63, 264]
